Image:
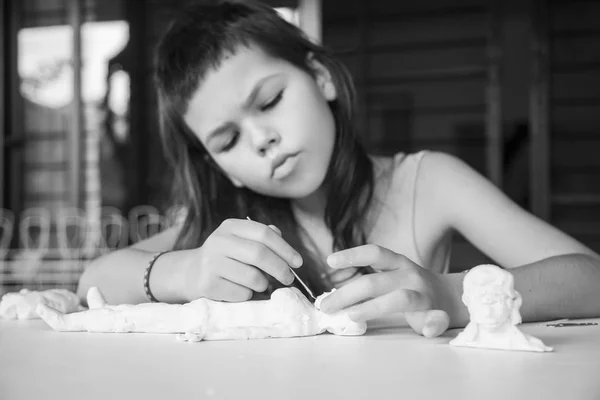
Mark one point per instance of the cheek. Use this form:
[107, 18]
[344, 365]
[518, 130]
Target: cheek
[320, 128]
[236, 167]
[309, 104]
[508, 307]
[477, 310]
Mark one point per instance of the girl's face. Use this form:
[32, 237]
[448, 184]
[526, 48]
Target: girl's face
[266, 123]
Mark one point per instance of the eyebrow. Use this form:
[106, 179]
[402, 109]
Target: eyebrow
[249, 101]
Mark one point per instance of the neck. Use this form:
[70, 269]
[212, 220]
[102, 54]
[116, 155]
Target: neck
[497, 329]
[312, 205]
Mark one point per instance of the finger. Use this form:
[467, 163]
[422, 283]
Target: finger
[430, 323]
[244, 275]
[359, 290]
[226, 290]
[372, 255]
[261, 233]
[401, 300]
[262, 257]
[276, 229]
[95, 299]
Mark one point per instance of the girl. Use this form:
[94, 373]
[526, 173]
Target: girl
[259, 122]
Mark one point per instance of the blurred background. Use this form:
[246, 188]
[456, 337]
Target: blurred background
[511, 87]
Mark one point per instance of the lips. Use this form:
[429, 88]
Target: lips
[281, 162]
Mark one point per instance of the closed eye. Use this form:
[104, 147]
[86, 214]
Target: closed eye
[231, 141]
[272, 103]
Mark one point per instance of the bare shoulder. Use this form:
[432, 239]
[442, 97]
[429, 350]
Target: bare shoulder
[437, 167]
[453, 195]
[446, 184]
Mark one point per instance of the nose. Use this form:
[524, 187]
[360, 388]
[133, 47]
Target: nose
[265, 139]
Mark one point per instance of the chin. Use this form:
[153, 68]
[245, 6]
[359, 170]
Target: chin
[296, 192]
[301, 186]
[303, 182]
[489, 322]
[291, 189]
[306, 188]
[490, 325]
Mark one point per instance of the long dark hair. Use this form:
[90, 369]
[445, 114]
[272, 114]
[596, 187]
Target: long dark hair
[196, 42]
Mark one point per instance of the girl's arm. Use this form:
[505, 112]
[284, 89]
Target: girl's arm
[557, 275]
[119, 274]
[232, 264]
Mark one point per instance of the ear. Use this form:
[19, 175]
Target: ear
[518, 301]
[465, 299]
[323, 78]
[515, 315]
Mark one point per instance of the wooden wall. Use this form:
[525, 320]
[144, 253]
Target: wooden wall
[425, 72]
[574, 118]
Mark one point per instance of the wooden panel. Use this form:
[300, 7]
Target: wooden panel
[41, 182]
[50, 151]
[580, 85]
[579, 220]
[574, 50]
[340, 38]
[340, 9]
[446, 127]
[53, 205]
[585, 180]
[353, 63]
[393, 64]
[539, 110]
[3, 102]
[15, 110]
[433, 94]
[575, 154]
[573, 122]
[44, 13]
[428, 8]
[428, 29]
[41, 6]
[54, 12]
[104, 10]
[42, 120]
[338, 12]
[575, 15]
[494, 113]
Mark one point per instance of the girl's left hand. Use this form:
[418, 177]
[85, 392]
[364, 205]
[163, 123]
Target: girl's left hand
[401, 286]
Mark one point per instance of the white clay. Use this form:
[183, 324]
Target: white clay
[22, 305]
[493, 304]
[339, 323]
[287, 314]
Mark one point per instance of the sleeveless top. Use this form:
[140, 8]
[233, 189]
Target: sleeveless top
[392, 216]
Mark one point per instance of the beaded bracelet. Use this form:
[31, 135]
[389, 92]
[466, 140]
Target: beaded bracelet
[147, 275]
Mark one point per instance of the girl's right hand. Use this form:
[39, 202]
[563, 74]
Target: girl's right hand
[233, 261]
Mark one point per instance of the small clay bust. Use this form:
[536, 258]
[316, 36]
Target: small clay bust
[493, 304]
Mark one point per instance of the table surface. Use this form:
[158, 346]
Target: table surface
[389, 362]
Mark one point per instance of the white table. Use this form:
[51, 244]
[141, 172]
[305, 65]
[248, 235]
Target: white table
[389, 362]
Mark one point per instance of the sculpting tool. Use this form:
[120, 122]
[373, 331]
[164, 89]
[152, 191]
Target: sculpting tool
[304, 285]
[562, 324]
